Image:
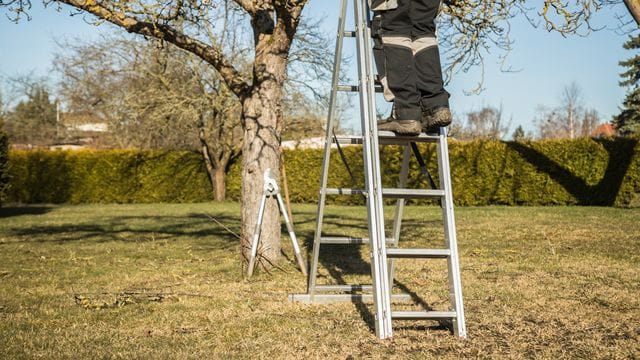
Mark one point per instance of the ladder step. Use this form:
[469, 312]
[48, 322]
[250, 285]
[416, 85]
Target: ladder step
[333, 298]
[412, 193]
[349, 34]
[356, 88]
[389, 138]
[343, 288]
[418, 253]
[420, 315]
[340, 240]
[344, 191]
[391, 193]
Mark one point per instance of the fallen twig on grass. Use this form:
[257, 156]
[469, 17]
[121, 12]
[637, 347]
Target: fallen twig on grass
[224, 226]
[88, 300]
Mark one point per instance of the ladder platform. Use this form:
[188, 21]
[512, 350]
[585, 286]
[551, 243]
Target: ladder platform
[391, 193]
[342, 240]
[422, 315]
[400, 253]
[344, 288]
[389, 138]
[333, 298]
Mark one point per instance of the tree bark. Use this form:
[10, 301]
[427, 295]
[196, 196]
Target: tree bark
[261, 151]
[634, 9]
[219, 184]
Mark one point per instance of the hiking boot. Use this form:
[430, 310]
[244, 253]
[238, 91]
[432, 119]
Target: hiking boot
[434, 118]
[400, 127]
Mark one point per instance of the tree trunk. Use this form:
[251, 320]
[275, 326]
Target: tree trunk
[216, 174]
[219, 184]
[263, 121]
[261, 151]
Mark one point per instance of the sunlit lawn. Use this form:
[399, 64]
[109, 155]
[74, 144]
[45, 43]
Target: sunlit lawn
[164, 281]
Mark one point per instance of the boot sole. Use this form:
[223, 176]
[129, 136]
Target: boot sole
[408, 127]
[435, 126]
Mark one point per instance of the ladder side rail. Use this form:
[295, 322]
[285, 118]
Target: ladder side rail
[397, 218]
[379, 273]
[313, 272]
[455, 285]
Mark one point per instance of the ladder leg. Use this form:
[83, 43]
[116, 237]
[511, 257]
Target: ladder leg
[455, 286]
[397, 219]
[373, 181]
[292, 235]
[313, 268]
[256, 236]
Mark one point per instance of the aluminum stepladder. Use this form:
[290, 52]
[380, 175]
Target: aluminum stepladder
[382, 258]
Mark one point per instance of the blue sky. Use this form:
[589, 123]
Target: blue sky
[547, 61]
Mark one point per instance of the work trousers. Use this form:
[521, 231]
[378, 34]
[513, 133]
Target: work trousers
[407, 57]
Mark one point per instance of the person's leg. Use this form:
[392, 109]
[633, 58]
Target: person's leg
[395, 31]
[378, 55]
[434, 98]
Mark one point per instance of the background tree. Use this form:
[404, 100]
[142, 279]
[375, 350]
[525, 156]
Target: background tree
[519, 134]
[304, 117]
[570, 119]
[469, 26]
[486, 123]
[628, 121]
[33, 120]
[2, 109]
[154, 96]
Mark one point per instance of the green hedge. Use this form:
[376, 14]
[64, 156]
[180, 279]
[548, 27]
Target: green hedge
[585, 172]
[116, 176]
[4, 162]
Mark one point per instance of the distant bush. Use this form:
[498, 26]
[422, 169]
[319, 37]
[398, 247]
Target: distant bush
[559, 172]
[4, 162]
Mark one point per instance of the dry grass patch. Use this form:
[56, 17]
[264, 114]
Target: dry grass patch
[163, 281]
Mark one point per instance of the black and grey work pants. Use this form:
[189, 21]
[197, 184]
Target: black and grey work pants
[407, 57]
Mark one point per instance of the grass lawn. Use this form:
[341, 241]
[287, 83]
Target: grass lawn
[164, 281]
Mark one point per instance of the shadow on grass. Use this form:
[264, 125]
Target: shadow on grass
[11, 211]
[345, 260]
[130, 229]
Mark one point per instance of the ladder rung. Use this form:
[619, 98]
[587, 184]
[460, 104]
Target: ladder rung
[412, 193]
[356, 88]
[418, 253]
[343, 288]
[332, 298]
[344, 191]
[390, 193]
[418, 315]
[340, 240]
[349, 34]
[389, 138]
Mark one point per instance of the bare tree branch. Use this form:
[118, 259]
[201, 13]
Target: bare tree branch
[210, 53]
